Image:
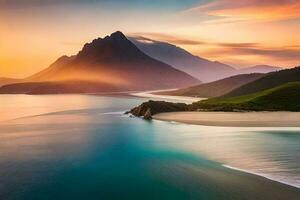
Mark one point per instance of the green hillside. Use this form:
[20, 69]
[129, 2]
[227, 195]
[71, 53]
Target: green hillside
[284, 97]
[269, 81]
[216, 88]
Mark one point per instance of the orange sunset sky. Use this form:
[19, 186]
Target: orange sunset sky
[34, 33]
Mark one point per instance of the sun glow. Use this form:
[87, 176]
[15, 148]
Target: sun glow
[33, 35]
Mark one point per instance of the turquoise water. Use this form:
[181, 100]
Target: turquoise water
[83, 147]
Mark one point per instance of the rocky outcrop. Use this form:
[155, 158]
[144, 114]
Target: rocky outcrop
[150, 108]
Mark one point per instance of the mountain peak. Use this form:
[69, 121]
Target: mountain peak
[115, 46]
[117, 34]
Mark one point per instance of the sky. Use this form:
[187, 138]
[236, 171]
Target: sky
[34, 33]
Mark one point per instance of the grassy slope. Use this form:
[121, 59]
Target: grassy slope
[216, 88]
[269, 81]
[284, 97]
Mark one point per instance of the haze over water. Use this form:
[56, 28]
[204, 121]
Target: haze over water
[81, 146]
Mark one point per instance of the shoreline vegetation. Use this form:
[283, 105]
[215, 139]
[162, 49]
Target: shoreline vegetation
[278, 106]
[275, 91]
[179, 112]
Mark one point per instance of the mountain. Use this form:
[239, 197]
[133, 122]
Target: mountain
[285, 97]
[56, 71]
[60, 87]
[258, 69]
[179, 58]
[105, 65]
[4, 81]
[268, 81]
[216, 88]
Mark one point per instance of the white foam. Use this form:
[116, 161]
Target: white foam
[113, 113]
[149, 94]
[284, 180]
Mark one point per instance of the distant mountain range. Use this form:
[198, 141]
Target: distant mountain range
[201, 68]
[110, 64]
[258, 69]
[216, 88]
[181, 59]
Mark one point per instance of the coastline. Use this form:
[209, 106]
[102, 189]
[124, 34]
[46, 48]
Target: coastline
[233, 119]
[227, 178]
[149, 94]
[179, 117]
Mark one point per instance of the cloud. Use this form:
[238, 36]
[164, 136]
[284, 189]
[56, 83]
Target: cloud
[176, 40]
[278, 54]
[155, 37]
[250, 10]
[235, 45]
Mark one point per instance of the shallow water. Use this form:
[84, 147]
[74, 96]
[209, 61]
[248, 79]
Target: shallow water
[78, 147]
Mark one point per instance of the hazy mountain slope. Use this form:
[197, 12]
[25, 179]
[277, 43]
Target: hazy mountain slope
[258, 69]
[60, 87]
[113, 62]
[179, 58]
[271, 80]
[4, 81]
[284, 97]
[53, 71]
[216, 88]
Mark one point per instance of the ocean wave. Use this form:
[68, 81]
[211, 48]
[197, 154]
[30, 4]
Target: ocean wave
[279, 179]
[113, 113]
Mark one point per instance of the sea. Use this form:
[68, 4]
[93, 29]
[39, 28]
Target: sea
[85, 147]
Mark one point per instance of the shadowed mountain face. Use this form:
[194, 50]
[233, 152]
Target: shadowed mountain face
[104, 65]
[179, 58]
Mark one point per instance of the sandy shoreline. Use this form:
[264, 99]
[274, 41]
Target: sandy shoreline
[246, 119]
[151, 95]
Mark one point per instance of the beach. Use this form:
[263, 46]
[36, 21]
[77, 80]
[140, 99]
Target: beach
[151, 95]
[236, 119]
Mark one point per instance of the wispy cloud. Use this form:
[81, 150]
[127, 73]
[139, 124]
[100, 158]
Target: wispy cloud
[250, 10]
[166, 38]
[277, 54]
[177, 40]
